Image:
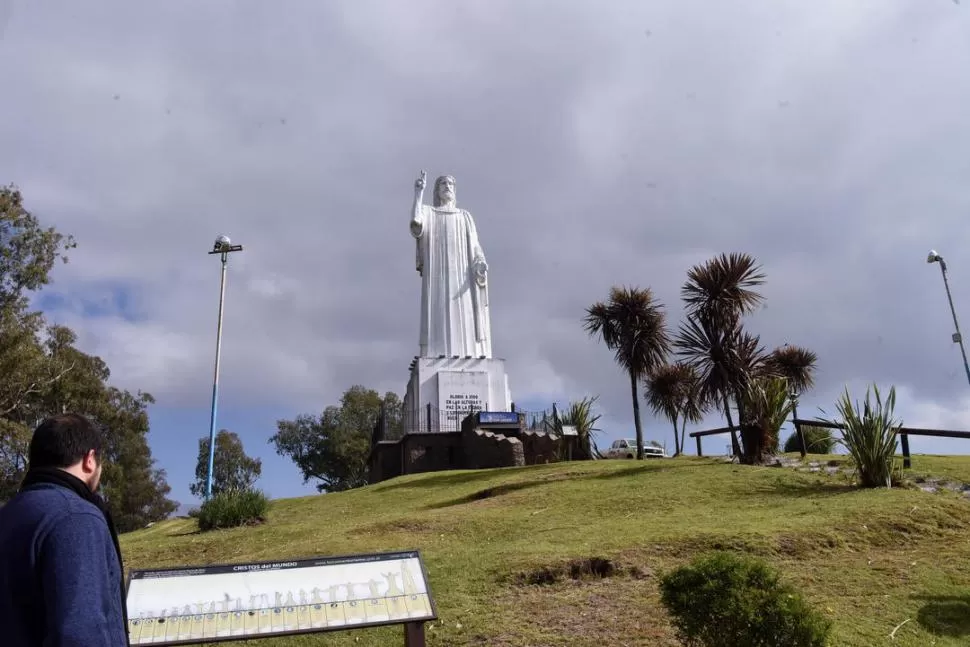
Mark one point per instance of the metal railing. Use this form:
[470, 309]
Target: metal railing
[396, 422]
[903, 432]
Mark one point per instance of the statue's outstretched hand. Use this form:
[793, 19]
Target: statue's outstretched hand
[420, 183]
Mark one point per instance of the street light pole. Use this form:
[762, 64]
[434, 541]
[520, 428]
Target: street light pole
[223, 247]
[933, 257]
[793, 394]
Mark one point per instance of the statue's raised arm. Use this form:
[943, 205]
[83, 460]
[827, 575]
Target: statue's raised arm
[417, 217]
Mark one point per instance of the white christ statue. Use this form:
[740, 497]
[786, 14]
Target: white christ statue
[454, 275]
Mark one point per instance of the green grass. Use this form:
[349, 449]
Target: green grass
[869, 559]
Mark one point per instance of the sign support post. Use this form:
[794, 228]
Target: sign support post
[414, 634]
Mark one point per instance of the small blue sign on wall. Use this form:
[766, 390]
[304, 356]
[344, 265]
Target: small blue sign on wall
[498, 418]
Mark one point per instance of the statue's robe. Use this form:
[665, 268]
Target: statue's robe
[454, 307]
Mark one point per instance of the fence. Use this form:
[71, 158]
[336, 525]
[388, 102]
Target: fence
[396, 422]
[904, 434]
[538, 420]
[697, 435]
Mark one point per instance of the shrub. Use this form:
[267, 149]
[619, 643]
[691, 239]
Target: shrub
[723, 600]
[818, 439]
[233, 508]
[870, 436]
[767, 404]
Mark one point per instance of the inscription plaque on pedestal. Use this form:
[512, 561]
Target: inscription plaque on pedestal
[462, 393]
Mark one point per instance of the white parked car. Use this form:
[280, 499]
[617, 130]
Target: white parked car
[627, 448]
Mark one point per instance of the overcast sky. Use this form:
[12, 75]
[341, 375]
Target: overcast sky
[596, 143]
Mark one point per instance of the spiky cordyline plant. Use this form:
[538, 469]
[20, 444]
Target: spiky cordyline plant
[673, 391]
[722, 289]
[767, 404]
[581, 416]
[716, 295]
[870, 435]
[631, 324]
[795, 364]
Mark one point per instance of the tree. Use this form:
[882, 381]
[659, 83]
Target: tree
[135, 490]
[233, 470]
[730, 361]
[333, 447]
[43, 373]
[631, 324]
[392, 426]
[673, 391]
[14, 442]
[712, 340]
[23, 363]
[27, 255]
[27, 250]
[797, 366]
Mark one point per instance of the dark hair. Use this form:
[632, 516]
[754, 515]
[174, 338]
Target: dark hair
[63, 440]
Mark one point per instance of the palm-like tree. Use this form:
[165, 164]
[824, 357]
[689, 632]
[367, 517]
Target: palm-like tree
[723, 360]
[797, 366]
[722, 290]
[673, 392]
[631, 324]
[716, 295]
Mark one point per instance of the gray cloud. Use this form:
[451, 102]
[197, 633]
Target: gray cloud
[594, 144]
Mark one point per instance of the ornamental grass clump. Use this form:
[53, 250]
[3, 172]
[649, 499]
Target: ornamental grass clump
[233, 508]
[870, 436]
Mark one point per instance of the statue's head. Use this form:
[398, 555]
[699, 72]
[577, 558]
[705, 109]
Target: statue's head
[444, 191]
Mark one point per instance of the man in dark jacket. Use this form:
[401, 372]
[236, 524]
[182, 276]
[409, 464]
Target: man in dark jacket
[61, 581]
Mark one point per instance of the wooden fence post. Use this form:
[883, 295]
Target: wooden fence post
[904, 439]
[698, 439]
[414, 634]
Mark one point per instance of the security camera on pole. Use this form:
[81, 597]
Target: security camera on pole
[223, 246]
[933, 257]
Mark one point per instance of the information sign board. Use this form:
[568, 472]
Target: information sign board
[189, 605]
[498, 418]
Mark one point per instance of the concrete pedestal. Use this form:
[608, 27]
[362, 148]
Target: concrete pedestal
[442, 391]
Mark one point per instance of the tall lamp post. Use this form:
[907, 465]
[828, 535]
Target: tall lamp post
[223, 246]
[793, 394]
[933, 257]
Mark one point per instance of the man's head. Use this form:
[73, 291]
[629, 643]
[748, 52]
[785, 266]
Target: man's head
[69, 442]
[444, 191]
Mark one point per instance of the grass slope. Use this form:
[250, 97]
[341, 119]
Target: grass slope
[495, 543]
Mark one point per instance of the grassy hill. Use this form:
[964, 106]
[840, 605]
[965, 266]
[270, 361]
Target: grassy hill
[498, 545]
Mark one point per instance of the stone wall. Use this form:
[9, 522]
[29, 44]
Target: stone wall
[539, 447]
[485, 449]
[472, 448]
[385, 461]
[432, 452]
